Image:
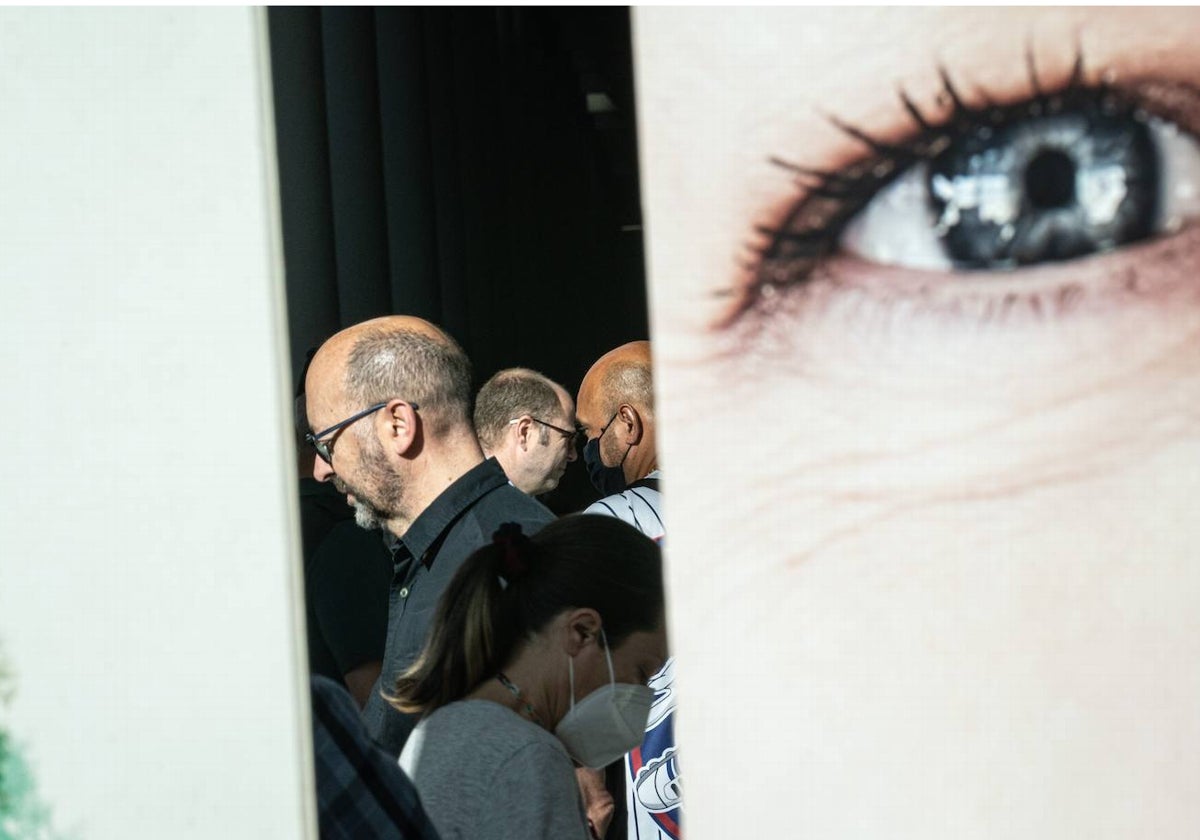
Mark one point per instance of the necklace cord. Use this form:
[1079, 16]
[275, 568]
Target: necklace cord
[516, 692]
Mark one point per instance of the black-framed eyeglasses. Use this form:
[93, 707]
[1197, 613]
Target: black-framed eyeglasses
[322, 446]
[573, 436]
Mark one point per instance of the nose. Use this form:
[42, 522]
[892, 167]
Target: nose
[572, 452]
[321, 470]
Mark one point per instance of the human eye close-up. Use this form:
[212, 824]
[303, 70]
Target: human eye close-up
[1021, 197]
[939, 268]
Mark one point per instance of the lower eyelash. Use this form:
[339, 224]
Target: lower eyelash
[1154, 272]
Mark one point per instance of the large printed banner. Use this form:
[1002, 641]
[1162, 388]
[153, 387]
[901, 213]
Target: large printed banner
[151, 668]
[926, 300]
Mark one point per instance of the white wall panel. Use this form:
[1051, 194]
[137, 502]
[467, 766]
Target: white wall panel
[147, 587]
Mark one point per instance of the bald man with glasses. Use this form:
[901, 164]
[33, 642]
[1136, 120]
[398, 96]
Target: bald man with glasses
[526, 421]
[391, 397]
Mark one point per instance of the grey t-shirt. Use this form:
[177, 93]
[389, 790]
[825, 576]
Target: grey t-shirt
[485, 773]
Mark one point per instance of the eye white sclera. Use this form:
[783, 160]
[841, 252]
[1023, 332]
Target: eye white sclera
[899, 227]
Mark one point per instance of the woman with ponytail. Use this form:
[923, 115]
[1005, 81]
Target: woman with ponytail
[538, 655]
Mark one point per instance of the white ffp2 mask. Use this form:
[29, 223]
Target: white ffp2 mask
[607, 723]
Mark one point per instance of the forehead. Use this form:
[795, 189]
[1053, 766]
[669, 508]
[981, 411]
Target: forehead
[587, 409]
[324, 391]
[589, 419]
[644, 646]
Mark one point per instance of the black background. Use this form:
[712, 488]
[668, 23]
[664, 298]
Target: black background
[445, 163]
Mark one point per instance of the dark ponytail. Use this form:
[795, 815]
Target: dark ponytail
[509, 590]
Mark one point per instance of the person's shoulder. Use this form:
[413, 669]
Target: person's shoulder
[490, 728]
[508, 504]
[503, 503]
[518, 741]
[644, 496]
[482, 711]
[536, 782]
[637, 506]
[621, 505]
[608, 506]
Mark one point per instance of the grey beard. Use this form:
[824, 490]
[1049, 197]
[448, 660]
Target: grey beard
[367, 517]
[377, 474]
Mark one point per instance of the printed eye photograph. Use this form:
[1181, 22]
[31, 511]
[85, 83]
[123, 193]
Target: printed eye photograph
[357, 359]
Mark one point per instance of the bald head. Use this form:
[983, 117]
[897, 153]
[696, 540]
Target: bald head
[616, 407]
[619, 376]
[396, 357]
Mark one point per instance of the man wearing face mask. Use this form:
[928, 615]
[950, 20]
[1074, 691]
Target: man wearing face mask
[615, 409]
[616, 413]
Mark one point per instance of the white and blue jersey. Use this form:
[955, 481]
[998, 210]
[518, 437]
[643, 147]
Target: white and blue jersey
[652, 790]
[640, 506]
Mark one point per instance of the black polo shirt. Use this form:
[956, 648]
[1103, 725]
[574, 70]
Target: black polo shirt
[460, 520]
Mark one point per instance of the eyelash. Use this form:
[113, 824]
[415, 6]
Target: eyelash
[811, 230]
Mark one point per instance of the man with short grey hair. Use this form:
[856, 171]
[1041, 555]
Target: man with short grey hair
[526, 421]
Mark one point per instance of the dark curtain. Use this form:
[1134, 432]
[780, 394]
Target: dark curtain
[473, 166]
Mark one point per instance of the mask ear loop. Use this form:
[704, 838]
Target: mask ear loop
[612, 677]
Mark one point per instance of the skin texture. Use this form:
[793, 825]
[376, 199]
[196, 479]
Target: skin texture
[385, 459]
[532, 466]
[629, 440]
[963, 532]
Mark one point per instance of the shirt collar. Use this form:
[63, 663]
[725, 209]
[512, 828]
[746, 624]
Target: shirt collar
[446, 508]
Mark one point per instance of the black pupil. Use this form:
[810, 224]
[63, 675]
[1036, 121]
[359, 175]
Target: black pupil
[1040, 187]
[1050, 180]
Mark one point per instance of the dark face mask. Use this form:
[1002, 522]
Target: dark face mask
[607, 480]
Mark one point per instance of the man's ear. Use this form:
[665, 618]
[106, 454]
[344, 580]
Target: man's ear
[631, 427]
[398, 426]
[523, 429]
[581, 628]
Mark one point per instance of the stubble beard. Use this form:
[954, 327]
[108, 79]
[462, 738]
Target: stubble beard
[365, 514]
[374, 515]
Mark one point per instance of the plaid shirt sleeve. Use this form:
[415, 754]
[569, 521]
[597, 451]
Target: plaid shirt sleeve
[361, 790]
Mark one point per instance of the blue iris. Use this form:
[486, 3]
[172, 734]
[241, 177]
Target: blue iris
[1046, 187]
